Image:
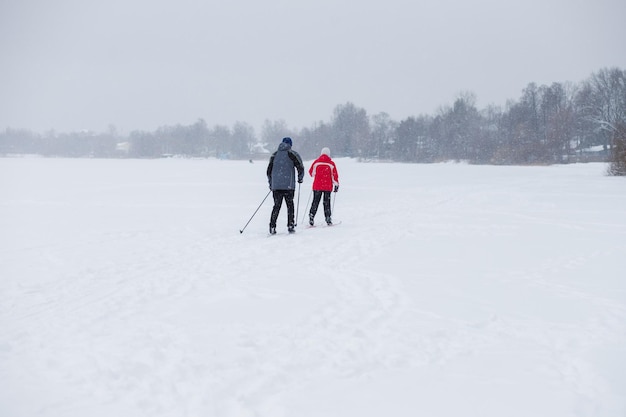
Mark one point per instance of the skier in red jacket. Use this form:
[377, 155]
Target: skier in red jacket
[325, 180]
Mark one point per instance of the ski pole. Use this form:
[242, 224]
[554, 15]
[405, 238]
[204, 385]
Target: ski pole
[307, 205]
[298, 206]
[257, 209]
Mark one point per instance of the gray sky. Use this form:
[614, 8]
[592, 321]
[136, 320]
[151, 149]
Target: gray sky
[140, 64]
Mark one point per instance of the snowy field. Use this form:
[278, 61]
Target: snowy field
[448, 290]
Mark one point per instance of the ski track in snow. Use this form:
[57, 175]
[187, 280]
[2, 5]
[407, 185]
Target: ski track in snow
[140, 298]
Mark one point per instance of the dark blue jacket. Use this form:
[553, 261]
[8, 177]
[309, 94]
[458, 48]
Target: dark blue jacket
[281, 169]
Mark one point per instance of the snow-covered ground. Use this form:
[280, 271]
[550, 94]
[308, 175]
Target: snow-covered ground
[127, 290]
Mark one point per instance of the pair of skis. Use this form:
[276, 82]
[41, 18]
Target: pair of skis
[320, 226]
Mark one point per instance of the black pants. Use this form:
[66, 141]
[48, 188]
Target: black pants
[317, 196]
[279, 195]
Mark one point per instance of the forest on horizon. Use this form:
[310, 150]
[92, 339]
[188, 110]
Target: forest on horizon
[556, 123]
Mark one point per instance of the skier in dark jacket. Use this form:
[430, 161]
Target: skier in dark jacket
[282, 181]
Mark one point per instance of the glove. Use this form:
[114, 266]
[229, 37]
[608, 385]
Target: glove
[336, 188]
[299, 180]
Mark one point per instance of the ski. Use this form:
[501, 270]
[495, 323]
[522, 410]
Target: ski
[323, 225]
[281, 234]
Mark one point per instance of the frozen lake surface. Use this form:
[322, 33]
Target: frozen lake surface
[452, 290]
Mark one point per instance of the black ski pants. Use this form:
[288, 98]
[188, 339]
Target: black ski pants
[279, 195]
[317, 196]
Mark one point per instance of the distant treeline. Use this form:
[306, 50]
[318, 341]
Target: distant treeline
[557, 123]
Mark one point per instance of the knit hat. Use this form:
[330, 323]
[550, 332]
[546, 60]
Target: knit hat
[288, 141]
[326, 151]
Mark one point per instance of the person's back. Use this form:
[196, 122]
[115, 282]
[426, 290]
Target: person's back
[281, 176]
[324, 173]
[282, 168]
[325, 179]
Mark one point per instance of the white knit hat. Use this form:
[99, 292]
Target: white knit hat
[326, 151]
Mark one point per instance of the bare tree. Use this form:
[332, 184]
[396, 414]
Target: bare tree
[607, 101]
[383, 135]
[618, 155]
[242, 139]
[274, 131]
[557, 119]
[351, 130]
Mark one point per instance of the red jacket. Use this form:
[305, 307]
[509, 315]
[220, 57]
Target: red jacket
[324, 173]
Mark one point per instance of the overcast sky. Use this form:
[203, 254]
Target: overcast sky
[139, 64]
